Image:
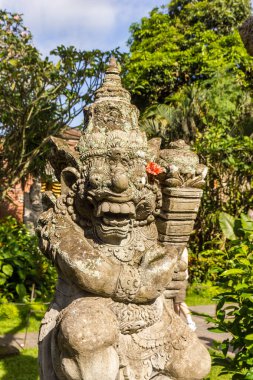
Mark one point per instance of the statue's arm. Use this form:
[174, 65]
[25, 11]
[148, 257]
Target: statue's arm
[119, 281]
[89, 272]
[156, 273]
[63, 242]
[85, 266]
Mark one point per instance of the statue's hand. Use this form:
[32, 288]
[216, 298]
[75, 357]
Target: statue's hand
[155, 273]
[178, 279]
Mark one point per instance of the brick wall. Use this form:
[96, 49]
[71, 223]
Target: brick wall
[15, 205]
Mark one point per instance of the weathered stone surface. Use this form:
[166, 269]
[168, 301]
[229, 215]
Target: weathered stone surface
[175, 227]
[33, 206]
[109, 318]
[179, 202]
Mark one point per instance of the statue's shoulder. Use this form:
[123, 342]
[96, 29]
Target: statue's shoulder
[60, 233]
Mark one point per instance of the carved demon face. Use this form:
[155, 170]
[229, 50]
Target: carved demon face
[114, 194]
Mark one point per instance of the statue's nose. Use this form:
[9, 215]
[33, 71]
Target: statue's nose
[120, 181]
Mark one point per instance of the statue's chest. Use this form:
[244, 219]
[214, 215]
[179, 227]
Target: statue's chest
[130, 253]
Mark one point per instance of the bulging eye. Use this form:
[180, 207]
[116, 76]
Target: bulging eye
[99, 178]
[96, 179]
[98, 172]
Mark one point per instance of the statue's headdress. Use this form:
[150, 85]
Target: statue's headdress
[112, 121]
[111, 125]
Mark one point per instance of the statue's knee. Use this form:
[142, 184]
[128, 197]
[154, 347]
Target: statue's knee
[86, 327]
[193, 360]
[200, 360]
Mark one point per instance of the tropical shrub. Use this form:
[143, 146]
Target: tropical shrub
[190, 74]
[207, 267]
[185, 42]
[235, 305]
[22, 264]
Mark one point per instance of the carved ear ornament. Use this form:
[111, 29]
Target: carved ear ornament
[63, 156]
[65, 205]
[69, 177]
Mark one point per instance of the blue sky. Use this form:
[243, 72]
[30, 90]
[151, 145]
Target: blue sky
[86, 24]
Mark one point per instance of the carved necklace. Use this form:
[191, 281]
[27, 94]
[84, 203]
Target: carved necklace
[132, 251]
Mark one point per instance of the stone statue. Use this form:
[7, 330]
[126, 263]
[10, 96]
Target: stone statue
[115, 236]
[33, 206]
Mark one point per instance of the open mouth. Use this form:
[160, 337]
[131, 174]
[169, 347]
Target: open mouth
[116, 214]
[115, 220]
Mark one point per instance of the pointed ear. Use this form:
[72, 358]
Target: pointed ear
[69, 176]
[62, 156]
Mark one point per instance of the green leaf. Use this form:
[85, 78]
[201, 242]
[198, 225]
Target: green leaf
[248, 296]
[21, 290]
[216, 330]
[249, 376]
[249, 337]
[2, 279]
[232, 272]
[241, 286]
[244, 261]
[227, 223]
[7, 269]
[58, 65]
[247, 223]
[13, 62]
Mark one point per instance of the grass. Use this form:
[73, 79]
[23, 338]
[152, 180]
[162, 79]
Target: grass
[21, 367]
[14, 318]
[201, 294]
[214, 375]
[195, 300]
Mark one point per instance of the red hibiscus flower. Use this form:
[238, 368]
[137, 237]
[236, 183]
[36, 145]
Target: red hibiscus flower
[153, 168]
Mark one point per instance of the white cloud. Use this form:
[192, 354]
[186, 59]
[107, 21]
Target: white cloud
[87, 24]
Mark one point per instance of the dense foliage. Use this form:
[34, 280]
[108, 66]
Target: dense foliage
[22, 264]
[185, 42]
[235, 305]
[37, 97]
[218, 15]
[192, 77]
